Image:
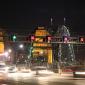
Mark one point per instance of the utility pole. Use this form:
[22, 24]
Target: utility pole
[59, 59]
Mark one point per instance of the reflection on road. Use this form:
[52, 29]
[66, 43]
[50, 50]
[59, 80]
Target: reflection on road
[20, 78]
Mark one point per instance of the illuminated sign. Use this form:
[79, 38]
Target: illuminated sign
[1, 47]
[41, 32]
[39, 40]
[40, 44]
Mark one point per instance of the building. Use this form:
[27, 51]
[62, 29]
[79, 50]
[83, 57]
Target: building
[2, 49]
[42, 48]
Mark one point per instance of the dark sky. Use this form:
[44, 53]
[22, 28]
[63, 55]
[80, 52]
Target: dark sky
[26, 15]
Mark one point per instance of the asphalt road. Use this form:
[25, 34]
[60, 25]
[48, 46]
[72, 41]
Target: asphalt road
[28, 79]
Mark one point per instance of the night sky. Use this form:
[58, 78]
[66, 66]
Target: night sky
[27, 15]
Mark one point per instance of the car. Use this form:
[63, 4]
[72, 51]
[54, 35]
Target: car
[41, 70]
[79, 72]
[3, 71]
[25, 70]
[3, 68]
[12, 69]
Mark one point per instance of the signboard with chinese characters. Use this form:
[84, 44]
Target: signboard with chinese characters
[39, 39]
[41, 45]
[41, 32]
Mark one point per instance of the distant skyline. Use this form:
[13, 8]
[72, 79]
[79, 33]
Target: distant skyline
[26, 15]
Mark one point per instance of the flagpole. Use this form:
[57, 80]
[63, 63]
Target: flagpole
[51, 21]
[64, 20]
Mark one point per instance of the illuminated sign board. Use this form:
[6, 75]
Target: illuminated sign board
[41, 32]
[1, 47]
[39, 40]
[41, 45]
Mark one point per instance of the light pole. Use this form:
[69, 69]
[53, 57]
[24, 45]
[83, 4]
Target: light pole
[59, 59]
[10, 54]
[9, 50]
[19, 52]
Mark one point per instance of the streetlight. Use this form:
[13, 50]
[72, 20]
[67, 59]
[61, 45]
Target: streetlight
[9, 50]
[21, 46]
[6, 54]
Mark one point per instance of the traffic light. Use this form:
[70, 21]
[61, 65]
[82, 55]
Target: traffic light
[48, 38]
[81, 39]
[32, 38]
[65, 39]
[13, 38]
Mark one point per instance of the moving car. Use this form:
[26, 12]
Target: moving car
[25, 70]
[12, 69]
[79, 72]
[3, 68]
[41, 70]
[3, 71]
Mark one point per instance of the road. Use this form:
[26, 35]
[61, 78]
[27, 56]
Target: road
[28, 79]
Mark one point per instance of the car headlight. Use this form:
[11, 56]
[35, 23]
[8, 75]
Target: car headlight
[79, 72]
